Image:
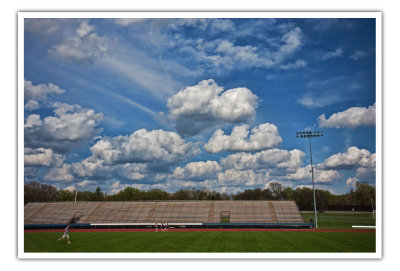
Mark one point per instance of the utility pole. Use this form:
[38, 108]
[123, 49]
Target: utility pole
[309, 135]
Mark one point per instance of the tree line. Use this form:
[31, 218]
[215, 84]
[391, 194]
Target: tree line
[362, 198]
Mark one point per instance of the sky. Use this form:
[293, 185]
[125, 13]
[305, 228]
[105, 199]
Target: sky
[199, 103]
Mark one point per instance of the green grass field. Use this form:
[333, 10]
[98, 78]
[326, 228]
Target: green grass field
[216, 241]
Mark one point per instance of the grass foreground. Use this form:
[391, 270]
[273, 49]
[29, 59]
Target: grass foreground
[217, 241]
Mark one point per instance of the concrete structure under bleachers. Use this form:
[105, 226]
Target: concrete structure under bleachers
[270, 212]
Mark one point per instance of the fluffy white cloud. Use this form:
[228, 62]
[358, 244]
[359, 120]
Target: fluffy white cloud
[70, 188]
[42, 157]
[98, 169]
[31, 105]
[224, 25]
[71, 126]
[197, 171]
[32, 121]
[158, 148]
[198, 107]
[264, 136]
[352, 159]
[40, 92]
[292, 41]
[232, 177]
[267, 159]
[85, 183]
[320, 175]
[59, 174]
[83, 47]
[350, 118]
[351, 183]
[136, 158]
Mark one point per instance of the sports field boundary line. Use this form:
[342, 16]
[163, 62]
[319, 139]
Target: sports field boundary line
[192, 230]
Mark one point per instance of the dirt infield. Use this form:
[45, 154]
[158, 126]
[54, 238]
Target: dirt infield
[185, 230]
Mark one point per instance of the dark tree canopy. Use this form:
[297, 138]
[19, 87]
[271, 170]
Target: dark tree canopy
[360, 199]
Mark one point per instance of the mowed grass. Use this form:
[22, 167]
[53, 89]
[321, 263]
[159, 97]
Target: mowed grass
[332, 220]
[210, 241]
[216, 241]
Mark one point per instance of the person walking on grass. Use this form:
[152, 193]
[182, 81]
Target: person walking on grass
[66, 234]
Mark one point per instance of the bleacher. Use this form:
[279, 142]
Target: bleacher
[161, 211]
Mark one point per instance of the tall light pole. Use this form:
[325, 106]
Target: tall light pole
[309, 135]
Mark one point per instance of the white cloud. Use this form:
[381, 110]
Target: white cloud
[358, 55]
[83, 47]
[292, 41]
[267, 159]
[31, 105]
[70, 188]
[352, 159]
[59, 174]
[311, 100]
[233, 177]
[32, 121]
[97, 169]
[224, 54]
[129, 21]
[351, 183]
[198, 107]
[69, 127]
[264, 136]
[320, 175]
[85, 183]
[321, 93]
[42, 157]
[136, 157]
[222, 25]
[197, 171]
[84, 29]
[332, 54]
[293, 66]
[42, 28]
[40, 92]
[350, 118]
[159, 148]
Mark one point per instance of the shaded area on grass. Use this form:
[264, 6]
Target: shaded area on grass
[210, 241]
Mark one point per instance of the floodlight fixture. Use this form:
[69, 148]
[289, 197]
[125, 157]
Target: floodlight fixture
[309, 135]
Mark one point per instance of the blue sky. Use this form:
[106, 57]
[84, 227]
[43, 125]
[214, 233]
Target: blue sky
[198, 103]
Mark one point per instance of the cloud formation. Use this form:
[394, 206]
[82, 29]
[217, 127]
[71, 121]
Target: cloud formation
[320, 175]
[40, 92]
[351, 160]
[85, 46]
[350, 118]
[42, 157]
[158, 148]
[197, 171]
[264, 136]
[268, 159]
[198, 107]
[357, 55]
[70, 127]
[332, 54]
[321, 93]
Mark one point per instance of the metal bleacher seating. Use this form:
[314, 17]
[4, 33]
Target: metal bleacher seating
[162, 211]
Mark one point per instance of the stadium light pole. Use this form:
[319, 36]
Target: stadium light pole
[309, 135]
